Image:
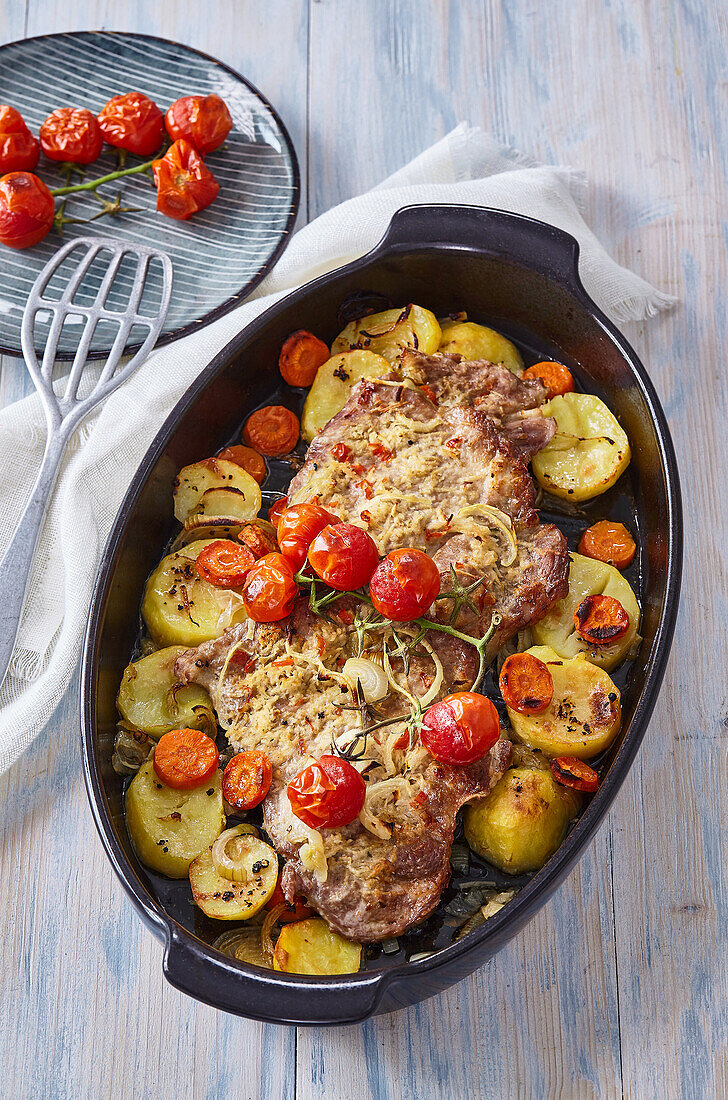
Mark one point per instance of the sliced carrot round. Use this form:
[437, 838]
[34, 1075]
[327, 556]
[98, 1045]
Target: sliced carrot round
[608, 542]
[300, 358]
[557, 378]
[526, 684]
[601, 620]
[570, 772]
[185, 758]
[250, 460]
[247, 779]
[276, 510]
[273, 430]
[224, 563]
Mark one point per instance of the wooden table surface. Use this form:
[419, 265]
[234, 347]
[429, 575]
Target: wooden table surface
[620, 986]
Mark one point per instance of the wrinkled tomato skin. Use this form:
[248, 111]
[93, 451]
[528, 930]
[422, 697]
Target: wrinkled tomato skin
[269, 591]
[71, 134]
[574, 773]
[27, 210]
[19, 149]
[185, 185]
[343, 556]
[132, 122]
[298, 527]
[461, 728]
[404, 584]
[203, 120]
[328, 794]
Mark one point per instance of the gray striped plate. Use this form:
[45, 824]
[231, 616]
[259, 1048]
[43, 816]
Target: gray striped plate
[221, 254]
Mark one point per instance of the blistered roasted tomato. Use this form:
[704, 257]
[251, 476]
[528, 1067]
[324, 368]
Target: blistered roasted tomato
[132, 122]
[185, 185]
[247, 779]
[203, 120]
[601, 620]
[71, 134]
[276, 510]
[27, 210]
[327, 794]
[574, 773]
[224, 563]
[526, 684]
[404, 584]
[298, 911]
[343, 556]
[460, 728]
[298, 527]
[19, 149]
[269, 590]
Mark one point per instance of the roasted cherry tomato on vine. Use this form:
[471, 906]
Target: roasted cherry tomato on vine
[269, 590]
[571, 772]
[19, 149]
[27, 210]
[343, 556]
[186, 758]
[526, 684]
[298, 911]
[608, 542]
[185, 185]
[298, 527]
[71, 134]
[276, 510]
[250, 460]
[404, 584]
[224, 563]
[601, 620]
[461, 728]
[203, 120]
[327, 794]
[557, 378]
[273, 430]
[247, 779]
[133, 122]
[301, 356]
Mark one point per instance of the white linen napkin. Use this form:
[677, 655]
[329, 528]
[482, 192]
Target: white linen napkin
[467, 166]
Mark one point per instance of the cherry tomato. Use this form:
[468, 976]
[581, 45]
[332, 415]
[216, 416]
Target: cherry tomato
[526, 684]
[571, 772]
[185, 185]
[327, 794]
[203, 120]
[269, 590]
[404, 584]
[132, 122]
[19, 149]
[343, 556]
[27, 210]
[298, 911]
[298, 527]
[186, 758]
[71, 134]
[276, 510]
[224, 563]
[601, 620]
[460, 728]
[247, 779]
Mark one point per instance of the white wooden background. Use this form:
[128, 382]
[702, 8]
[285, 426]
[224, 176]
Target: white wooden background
[620, 986]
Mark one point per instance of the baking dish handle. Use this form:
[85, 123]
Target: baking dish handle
[276, 998]
[481, 228]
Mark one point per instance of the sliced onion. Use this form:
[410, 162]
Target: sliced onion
[370, 677]
[231, 865]
[436, 684]
[496, 517]
[266, 941]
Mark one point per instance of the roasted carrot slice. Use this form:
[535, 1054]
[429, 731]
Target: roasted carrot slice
[300, 358]
[571, 772]
[601, 620]
[273, 430]
[608, 542]
[526, 684]
[250, 460]
[224, 563]
[247, 779]
[185, 758]
[555, 376]
[258, 542]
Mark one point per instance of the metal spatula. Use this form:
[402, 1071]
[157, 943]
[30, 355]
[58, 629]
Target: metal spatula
[64, 408]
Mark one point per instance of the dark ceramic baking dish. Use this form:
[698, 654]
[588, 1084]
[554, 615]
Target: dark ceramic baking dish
[522, 277]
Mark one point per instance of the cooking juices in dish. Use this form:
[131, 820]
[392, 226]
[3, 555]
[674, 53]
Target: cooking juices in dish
[320, 693]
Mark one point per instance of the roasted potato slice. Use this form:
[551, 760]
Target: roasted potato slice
[334, 379]
[589, 451]
[311, 947]
[584, 715]
[478, 342]
[170, 828]
[207, 527]
[390, 332]
[180, 608]
[226, 501]
[587, 577]
[522, 821]
[151, 699]
[225, 899]
[215, 473]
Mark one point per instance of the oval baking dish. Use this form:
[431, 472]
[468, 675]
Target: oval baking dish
[521, 276]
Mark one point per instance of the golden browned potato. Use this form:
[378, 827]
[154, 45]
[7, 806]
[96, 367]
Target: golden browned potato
[333, 383]
[195, 481]
[226, 898]
[584, 715]
[478, 342]
[170, 828]
[589, 451]
[310, 947]
[522, 821]
[390, 332]
[151, 698]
